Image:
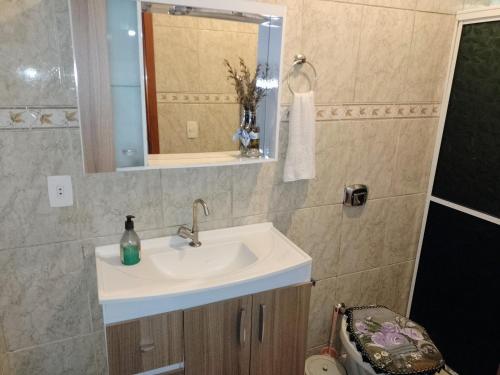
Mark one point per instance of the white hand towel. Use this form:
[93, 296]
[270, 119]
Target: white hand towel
[300, 163]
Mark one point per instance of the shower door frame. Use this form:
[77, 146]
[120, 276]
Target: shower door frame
[489, 14]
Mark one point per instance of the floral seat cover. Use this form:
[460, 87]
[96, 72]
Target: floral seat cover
[391, 343]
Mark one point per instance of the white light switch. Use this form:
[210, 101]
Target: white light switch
[193, 131]
[60, 191]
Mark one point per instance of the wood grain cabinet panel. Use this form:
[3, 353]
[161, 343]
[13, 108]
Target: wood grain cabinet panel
[218, 338]
[95, 101]
[145, 344]
[279, 331]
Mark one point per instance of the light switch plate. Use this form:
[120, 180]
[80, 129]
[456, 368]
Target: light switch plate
[193, 130]
[60, 191]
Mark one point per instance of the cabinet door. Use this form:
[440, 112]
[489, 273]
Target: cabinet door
[218, 338]
[279, 331]
[145, 344]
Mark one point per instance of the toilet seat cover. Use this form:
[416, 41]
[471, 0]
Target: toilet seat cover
[391, 343]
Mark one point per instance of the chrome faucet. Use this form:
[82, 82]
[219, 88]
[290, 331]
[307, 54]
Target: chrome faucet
[192, 233]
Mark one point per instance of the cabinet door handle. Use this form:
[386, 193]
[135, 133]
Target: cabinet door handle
[147, 348]
[262, 323]
[243, 331]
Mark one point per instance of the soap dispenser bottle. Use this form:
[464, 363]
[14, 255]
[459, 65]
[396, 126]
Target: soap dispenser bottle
[130, 244]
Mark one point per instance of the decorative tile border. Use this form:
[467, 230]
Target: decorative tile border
[64, 117]
[38, 117]
[196, 98]
[371, 111]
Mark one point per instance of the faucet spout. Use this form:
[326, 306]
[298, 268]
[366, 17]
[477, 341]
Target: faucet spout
[203, 204]
[192, 233]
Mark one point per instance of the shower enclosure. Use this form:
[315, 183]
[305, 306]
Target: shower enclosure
[456, 286]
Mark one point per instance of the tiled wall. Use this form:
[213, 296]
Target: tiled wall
[191, 80]
[389, 53]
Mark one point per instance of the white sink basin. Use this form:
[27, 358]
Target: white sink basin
[172, 275]
[212, 260]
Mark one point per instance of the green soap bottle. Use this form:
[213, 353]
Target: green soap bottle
[130, 244]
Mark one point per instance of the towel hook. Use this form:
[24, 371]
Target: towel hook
[301, 60]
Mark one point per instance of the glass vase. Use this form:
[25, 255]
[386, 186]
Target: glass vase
[250, 141]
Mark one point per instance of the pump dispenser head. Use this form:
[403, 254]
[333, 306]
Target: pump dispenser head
[129, 224]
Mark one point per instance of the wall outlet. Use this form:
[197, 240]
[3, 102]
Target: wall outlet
[60, 191]
[193, 130]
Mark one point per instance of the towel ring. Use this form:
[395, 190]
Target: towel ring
[301, 60]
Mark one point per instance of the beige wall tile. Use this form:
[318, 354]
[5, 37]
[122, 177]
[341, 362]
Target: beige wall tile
[383, 54]
[182, 186]
[372, 155]
[293, 46]
[189, 55]
[105, 199]
[403, 4]
[429, 58]
[257, 175]
[317, 231]
[358, 289]
[263, 199]
[334, 143]
[26, 159]
[36, 67]
[394, 286]
[330, 38]
[44, 294]
[217, 124]
[363, 236]
[177, 67]
[224, 25]
[320, 312]
[328, 186]
[72, 356]
[403, 228]
[187, 22]
[414, 156]
[440, 6]
[88, 249]
[213, 48]
[476, 4]
[259, 189]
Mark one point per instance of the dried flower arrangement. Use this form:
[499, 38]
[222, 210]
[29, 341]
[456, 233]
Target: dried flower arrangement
[249, 94]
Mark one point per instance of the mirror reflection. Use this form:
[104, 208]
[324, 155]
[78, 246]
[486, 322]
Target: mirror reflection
[197, 107]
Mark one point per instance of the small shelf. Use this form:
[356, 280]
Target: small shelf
[195, 160]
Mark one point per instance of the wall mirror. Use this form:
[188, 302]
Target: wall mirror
[183, 83]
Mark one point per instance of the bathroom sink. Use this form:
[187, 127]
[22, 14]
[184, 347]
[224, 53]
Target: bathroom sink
[172, 275]
[212, 260]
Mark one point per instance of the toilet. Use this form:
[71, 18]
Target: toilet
[353, 360]
[389, 341]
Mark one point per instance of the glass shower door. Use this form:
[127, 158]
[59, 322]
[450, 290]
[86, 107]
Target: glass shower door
[457, 284]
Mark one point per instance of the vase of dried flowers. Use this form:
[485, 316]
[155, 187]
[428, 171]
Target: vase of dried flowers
[249, 95]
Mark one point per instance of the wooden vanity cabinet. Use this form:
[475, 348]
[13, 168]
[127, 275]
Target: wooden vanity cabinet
[263, 334]
[218, 338]
[145, 344]
[260, 334]
[279, 331]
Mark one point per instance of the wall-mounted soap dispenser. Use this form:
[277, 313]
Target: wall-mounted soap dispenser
[355, 195]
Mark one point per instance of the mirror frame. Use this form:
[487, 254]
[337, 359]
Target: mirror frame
[88, 20]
